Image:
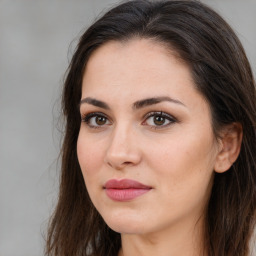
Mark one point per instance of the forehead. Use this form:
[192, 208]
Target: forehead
[137, 69]
[141, 61]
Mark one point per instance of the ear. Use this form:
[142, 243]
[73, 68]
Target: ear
[230, 145]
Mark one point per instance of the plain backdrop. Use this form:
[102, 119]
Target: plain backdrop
[37, 39]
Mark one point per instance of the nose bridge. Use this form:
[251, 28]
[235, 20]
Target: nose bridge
[123, 146]
[123, 131]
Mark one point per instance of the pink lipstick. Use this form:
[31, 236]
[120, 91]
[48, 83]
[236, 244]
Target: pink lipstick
[125, 190]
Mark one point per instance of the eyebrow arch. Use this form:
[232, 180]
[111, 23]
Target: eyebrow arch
[155, 100]
[94, 102]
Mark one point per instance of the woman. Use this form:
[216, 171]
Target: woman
[159, 152]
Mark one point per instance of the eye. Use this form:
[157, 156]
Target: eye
[95, 120]
[158, 119]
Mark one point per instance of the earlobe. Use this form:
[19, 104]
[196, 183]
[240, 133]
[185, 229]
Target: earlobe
[230, 145]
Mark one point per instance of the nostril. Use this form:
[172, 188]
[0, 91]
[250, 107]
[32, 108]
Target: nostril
[127, 163]
[120, 165]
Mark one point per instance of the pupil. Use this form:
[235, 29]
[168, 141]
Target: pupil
[159, 120]
[100, 120]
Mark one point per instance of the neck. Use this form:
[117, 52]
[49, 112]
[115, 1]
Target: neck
[180, 240]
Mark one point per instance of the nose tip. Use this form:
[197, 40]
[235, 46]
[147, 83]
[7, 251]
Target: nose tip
[120, 157]
[123, 151]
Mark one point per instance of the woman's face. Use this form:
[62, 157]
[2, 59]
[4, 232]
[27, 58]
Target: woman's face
[146, 146]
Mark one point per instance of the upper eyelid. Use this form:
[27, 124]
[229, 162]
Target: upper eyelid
[86, 111]
[162, 113]
[96, 113]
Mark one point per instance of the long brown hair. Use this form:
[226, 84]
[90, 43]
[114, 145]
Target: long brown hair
[221, 73]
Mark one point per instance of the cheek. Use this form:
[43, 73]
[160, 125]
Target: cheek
[90, 156]
[184, 163]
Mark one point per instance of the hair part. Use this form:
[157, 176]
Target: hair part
[222, 74]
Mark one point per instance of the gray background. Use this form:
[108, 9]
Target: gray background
[35, 38]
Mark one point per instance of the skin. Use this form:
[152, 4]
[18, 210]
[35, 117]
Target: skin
[176, 158]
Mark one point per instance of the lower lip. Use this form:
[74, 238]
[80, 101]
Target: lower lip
[123, 195]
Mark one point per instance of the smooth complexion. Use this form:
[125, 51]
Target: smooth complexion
[143, 120]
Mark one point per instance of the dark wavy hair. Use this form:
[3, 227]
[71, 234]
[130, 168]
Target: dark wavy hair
[222, 74]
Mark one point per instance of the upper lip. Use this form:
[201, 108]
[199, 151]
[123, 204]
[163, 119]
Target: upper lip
[125, 184]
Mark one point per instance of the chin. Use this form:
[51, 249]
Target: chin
[127, 228]
[126, 224]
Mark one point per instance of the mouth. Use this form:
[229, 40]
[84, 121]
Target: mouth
[125, 190]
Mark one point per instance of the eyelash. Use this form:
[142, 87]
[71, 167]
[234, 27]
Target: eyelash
[161, 114]
[88, 117]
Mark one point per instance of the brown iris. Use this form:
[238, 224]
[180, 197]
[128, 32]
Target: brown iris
[100, 120]
[159, 120]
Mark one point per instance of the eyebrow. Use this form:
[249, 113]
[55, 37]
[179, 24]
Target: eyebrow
[155, 100]
[136, 105]
[95, 102]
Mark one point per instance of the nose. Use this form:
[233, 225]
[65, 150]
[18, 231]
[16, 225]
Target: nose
[123, 148]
